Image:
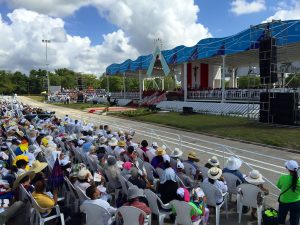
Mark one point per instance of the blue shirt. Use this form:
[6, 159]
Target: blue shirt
[236, 173]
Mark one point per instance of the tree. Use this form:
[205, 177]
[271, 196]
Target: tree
[68, 78]
[91, 80]
[6, 85]
[248, 81]
[293, 80]
[20, 81]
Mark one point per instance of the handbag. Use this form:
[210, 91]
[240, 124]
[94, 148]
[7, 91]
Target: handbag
[284, 192]
[270, 217]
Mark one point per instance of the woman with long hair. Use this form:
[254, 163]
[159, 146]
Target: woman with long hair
[289, 198]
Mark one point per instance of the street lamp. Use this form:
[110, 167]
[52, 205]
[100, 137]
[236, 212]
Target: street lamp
[46, 41]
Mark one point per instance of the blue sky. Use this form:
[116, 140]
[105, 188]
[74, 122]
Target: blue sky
[92, 34]
[220, 21]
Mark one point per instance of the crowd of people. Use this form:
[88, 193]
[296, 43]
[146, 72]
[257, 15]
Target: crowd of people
[42, 156]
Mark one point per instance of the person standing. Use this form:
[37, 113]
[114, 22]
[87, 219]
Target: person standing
[289, 198]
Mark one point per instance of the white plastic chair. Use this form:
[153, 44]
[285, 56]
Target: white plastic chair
[149, 155]
[152, 201]
[160, 172]
[188, 169]
[125, 185]
[43, 220]
[140, 153]
[183, 213]
[231, 181]
[149, 170]
[96, 215]
[204, 171]
[82, 196]
[247, 196]
[131, 215]
[210, 192]
[72, 194]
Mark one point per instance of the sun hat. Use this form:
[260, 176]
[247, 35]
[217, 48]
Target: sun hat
[113, 142]
[44, 141]
[129, 136]
[80, 142]
[214, 173]
[127, 165]
[176, 153]
[179, 165]
[111, 161]
[121, 143]
[160, 151]
[38, 166]
[134, 192]
[166, 158]
[192, 155]
[180, 192]
[291, 165]
[154, 144]
[254, 177]
[20, 133]
[233, 163]
[103, 140]
[83, 174]
[31, 175]
[214, 161]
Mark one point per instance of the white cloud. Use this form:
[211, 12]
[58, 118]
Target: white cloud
[286, 12]
[173, 21]
[49, 7]
[21, 46]
[138, 24]
[241, 7]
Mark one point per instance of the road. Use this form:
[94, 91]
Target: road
[269, 161]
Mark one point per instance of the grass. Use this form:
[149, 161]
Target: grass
[80, 106]
[228, 127]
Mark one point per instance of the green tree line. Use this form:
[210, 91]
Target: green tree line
[36, 81]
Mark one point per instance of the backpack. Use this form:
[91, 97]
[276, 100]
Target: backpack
[270, 217]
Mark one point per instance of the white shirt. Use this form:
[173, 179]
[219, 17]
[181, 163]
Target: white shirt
[105, 219]
[221, 186]
[82, 186]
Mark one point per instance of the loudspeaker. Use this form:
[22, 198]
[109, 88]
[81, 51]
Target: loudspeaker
[268, 61]
[279, 108]
[80, 98]
[187, 110]
[79, 84]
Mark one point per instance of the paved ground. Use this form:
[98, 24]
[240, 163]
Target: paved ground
[269, 161]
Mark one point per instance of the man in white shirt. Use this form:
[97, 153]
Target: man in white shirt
[94, 194]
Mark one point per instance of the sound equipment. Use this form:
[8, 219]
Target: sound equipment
[79, 84]
[279, 108]
[187, 110]
[80, 98]
[268, 61]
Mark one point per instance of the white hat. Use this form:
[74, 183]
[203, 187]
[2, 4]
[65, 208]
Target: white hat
[233, 163]
[176, 153]
[291, 165]
[180, 192]
[83, 174]
[166, 158]
[154, 144]
[103, 140]
[214, 173]
[113, 142]
[254, 177]
[80, 142]
[164, 147]
[179, 165]
[214, 161]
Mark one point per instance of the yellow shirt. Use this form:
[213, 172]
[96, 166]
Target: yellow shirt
[44, 201]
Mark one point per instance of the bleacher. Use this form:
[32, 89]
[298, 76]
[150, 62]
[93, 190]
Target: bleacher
[232, 109]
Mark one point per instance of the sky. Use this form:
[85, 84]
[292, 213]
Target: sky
[89, 35]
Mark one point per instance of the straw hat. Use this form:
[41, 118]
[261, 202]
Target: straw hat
[160, 151]
[214, 173]
[176, 153]
[134, 192]
[233, 163]
[83, 174]
[113, 142]
[192, 155]
[38, 166]
[214, 161]
[20, 133]
[255, 178]
[31, 175]
[121, 143]
[103, 140]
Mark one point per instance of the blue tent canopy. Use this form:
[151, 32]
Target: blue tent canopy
[286, 32]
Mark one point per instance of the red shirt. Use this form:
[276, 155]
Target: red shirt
[142, 206]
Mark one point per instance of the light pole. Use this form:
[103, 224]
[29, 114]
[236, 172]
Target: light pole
[46, 41]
